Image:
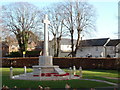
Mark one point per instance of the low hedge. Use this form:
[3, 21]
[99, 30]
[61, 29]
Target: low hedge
[28, 54]
[65, 62]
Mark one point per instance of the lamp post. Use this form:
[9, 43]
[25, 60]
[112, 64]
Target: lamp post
[24, 52]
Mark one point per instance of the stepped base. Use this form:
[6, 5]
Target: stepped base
[30, 76]
[47, 69]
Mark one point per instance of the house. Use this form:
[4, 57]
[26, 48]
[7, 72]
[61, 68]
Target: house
[112, 48]
[103, 47]
[31, 46]
[118, 50]
[14, 47]
[92, 48]
[12, 43]
[5, 49]
[39, 47]
[65, 47]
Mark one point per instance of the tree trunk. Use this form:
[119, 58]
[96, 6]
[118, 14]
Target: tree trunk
[72, 32]
[72, 44]
[22, 41]
[58, 46]
[78, 42]
[55, 46]
[18, 36]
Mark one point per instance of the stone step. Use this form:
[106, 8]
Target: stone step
[59, 71]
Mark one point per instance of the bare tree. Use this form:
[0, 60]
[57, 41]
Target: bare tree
[22, 19]
[80, 17]
[69, 24]
[56, 15]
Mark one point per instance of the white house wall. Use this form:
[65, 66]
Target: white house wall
[111, 50]
[95, 51]
[63, 54]
[64, 50]
[118, 50]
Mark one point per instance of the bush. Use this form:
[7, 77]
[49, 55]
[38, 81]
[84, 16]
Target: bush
[28, 54]
[32, 53]
[14, 54]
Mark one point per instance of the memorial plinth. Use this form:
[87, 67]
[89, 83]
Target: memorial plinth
[45, 61]
[46, 66]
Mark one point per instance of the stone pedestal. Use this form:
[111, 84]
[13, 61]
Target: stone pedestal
[46, 66]
[44, 69]
[45, 61]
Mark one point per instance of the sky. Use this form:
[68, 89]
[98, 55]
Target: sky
[107, 19]
[106, 13]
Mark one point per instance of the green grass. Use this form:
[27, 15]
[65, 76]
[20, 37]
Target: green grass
[100, 74]
[93, 74]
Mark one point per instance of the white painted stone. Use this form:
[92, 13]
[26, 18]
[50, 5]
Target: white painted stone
[11, 72]
[45, 61]
[74, 70]
[59, 71]
[24, 69]
[45, 69]
[80, 69]
[46, 22]
[70, 76]
[40, 71]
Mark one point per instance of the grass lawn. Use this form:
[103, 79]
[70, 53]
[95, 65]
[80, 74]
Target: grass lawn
[90, 74]
[100, 74]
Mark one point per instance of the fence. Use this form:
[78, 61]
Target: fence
[65, 62]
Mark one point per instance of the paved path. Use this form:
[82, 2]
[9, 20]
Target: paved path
[101, 81]
[112, 78]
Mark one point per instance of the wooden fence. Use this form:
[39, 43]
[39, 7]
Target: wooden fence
[66, 62]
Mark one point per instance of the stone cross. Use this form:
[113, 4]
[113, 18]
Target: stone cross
[46, 22]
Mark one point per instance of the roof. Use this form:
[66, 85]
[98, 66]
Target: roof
[40, 44]
[94, 42]
[65, 41]
[113, 42]
[4, 44]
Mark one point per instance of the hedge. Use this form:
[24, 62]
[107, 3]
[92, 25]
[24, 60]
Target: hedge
[65, 62]
[28, 54]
